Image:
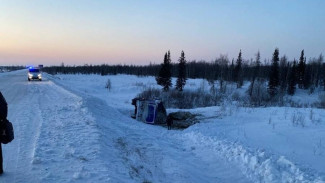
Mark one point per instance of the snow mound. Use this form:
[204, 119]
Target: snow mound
[257, 165]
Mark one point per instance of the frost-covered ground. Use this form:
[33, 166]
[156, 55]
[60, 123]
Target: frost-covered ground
[70, 128]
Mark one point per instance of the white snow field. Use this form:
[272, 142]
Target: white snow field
[70, 128]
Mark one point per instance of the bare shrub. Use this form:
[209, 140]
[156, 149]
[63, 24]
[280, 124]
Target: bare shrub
[223, 86]
[151, 93]
[108, 84]
[223, 109]
[285, 113]
[318, 148]
[311, 115]
[203, 86]
[294, 104]
[312, 89]
[294, 119]
[217, 95]
[259, 96]
[298, 119]
[183, 100]
[235, 96]
[322, 100]
[230, 111]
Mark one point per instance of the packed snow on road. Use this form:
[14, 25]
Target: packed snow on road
[70, 128]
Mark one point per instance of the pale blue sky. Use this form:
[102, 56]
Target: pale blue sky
[140, 32]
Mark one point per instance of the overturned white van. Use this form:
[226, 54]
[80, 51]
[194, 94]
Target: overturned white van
[149, 111]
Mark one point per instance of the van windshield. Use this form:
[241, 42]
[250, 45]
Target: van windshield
[33, 70]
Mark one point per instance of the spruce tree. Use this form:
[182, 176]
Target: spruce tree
[274, 74]
[301, 70]
[292, 79]
[323, 75]
[319, 69]
[181, 79]
[307, 75]
[232, 71]
[164, 76]
[237, 71]
[169, 72]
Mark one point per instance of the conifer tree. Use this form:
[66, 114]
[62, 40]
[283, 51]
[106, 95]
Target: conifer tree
[323, 75]
[164, 76]
[319, 69]
[238, 70]
[232, 71]
[274, 74]
[307, 82]
[292, 79]
[301, 70]
[181, 79]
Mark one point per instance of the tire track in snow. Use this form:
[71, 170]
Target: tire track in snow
[24, 112]
[68, 147]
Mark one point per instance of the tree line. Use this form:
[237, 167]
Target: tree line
[10, 68]
[281, 75]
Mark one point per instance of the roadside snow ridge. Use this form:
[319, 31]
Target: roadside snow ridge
[258, 166]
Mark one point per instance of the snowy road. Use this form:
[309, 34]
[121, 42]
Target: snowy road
[65, 137]
[52, 134]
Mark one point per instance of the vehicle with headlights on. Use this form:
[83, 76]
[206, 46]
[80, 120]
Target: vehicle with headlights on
[34, 73]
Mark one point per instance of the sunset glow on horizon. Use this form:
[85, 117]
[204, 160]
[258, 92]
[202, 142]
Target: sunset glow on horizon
[78, 32]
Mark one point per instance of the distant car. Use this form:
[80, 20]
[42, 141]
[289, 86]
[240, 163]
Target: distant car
[34, 73]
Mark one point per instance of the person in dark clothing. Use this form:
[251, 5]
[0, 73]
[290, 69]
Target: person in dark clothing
[169, 122]
[3, 116]
[1, 160]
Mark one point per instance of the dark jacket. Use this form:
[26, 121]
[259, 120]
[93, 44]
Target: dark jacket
[3, 116]
[3, 107]
[2, 124]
